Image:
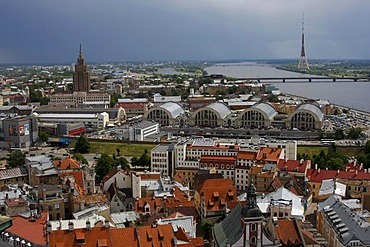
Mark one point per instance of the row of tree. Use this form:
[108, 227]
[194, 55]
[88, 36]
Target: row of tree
[333, 159]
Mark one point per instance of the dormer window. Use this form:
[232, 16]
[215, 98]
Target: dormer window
[80, 238]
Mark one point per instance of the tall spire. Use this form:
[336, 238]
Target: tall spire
[303, 59]
[80, 53]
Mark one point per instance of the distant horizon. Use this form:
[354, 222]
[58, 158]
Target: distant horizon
[291, 60]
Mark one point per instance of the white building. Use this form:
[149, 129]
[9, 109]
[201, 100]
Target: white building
[158, 98]
[281, 203]
[163, 160]
[97, 121]
[77, 99]
[142, 130]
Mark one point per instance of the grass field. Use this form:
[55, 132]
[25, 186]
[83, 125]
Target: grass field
[347, 151]
[125, 149]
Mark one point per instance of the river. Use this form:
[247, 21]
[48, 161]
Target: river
[351, 94]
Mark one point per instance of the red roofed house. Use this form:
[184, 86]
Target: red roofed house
[296, 168]
[270, 155]
[67, 165]
[245, 160]
[316, 176]
[27, 230]
[212, 196]
[145, 236]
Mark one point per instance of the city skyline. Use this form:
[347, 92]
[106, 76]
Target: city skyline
[44, 32]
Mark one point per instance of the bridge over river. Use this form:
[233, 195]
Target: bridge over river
[304, 78]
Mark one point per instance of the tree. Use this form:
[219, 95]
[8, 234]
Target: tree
[114, 99]
[43, 136]
[144, 160]
[354, 133]
[367, 147]
[104, 164]
[123, 163]
[79, 157]
[339, 134]
[82, 145]
[44, 101]
[207, 229]
[16, 159]
[134, 161]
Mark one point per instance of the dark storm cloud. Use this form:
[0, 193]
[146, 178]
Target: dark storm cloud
[122, 30]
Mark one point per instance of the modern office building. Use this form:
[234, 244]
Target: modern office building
[18, 131]
[142, 130]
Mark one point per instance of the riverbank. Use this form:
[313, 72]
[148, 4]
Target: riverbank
[341, 107]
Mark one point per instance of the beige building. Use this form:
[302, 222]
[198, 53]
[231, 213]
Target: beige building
[212, 115]
[259, 115]
[306, 116]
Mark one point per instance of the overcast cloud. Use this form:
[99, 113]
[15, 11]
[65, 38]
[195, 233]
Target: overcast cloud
[41, 31]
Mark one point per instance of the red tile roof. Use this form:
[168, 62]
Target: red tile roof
[294, 165]
[318, 175]
[159, 235]
[129, 105]
[67, 164]
[31, 231]
[91, 238]
[77, 175]
[269, 154]
[217, 192]
[246, 155]
[288, 232]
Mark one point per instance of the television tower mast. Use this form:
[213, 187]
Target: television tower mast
[303, 63]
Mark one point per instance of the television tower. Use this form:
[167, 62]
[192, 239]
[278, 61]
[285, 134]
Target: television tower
[303, 63]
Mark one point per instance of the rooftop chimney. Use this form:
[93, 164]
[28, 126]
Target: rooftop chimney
[70, 226]
[315, 166]
[106, 223]
[318, 170]
[48, 227]
[88, 225]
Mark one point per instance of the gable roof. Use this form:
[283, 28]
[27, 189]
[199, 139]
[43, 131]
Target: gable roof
[318, 175]
[269, 154]
[288, 232]
[31, 231]
[66, 164]
[217, 192]
[299, 166]
[13, 173]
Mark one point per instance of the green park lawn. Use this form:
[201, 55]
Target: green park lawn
[125, 149]
[347, 151]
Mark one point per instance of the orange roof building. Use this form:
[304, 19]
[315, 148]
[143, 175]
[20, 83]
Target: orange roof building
[31, 231]
[145, 236]
[68, 164]
[215, 193]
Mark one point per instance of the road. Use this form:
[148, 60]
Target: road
[241, 133]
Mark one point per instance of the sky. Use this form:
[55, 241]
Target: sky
[50, 31]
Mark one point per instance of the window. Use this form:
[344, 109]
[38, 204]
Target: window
[253, 240]
[57, 206]
[253, 227]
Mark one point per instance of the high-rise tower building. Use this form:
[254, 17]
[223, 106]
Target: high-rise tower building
[81, 77]
[303, 63]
